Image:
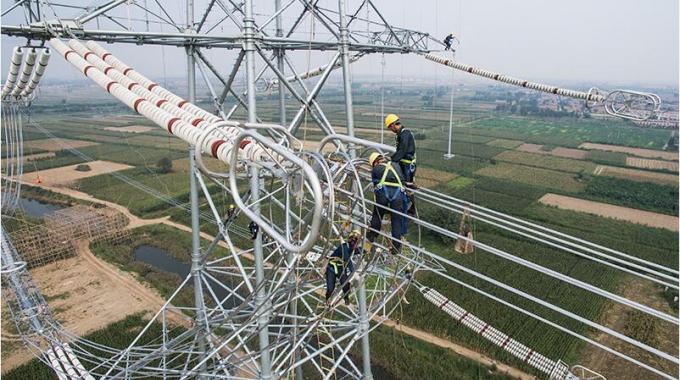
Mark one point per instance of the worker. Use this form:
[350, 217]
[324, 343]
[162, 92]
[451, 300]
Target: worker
[389, 194]
[448, 41]
[254, 229]
[405, 156]
[340, 265]
[231, 213]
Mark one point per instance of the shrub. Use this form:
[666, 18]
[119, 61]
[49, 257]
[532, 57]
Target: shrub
[83, 168]
[164, 165]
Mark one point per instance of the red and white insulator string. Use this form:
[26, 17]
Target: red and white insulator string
[587, 96]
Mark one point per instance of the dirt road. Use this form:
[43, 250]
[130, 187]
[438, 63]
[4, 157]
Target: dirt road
[640, 152]
[632, 215]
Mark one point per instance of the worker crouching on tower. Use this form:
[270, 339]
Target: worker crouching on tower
[340, 265]
[390, 196]
[405, 155]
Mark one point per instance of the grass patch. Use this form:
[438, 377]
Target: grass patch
[607, 158]
[405, 357]
[107, 187]
[459, 183]
[549, 179]
[60, 296]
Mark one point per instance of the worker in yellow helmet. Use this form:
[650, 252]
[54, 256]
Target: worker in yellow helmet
[390, 196]
[340, 265]
[405, 155]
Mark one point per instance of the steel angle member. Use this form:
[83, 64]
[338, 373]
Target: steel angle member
[15, 267]
[339, 139]
[277, 128]
[310, 177]
[583, 373]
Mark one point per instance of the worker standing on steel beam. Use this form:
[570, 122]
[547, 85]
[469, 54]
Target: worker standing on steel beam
[340, 265]
[405, 156]
[448, 41]
[390, 195]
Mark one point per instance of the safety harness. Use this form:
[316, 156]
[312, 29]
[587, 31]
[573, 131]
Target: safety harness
[407, 161]
[336, 262]
[384, 183]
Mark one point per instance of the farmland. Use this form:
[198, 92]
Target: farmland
[490, 168]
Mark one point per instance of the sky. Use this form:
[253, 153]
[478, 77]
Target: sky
[565, 41]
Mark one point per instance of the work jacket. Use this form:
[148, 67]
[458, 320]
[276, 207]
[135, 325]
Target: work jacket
[406, 148]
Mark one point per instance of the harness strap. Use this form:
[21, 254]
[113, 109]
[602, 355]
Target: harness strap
[384, 181]
[336, 262]
[407, 161]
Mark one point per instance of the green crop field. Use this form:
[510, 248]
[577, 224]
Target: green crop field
[546, 161]
[548, 179]
[568, 132]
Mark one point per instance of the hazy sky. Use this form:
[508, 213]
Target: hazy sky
[589, 41]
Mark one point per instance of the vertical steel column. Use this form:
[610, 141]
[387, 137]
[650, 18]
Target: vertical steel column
[346, 75]
[344, 52]
[193, 189]
[261, 296]
[290, 258]
[382, 98]
[280, 63]
[249, 48]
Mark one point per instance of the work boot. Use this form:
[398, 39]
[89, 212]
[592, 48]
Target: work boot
[411, 185]
[347, 301]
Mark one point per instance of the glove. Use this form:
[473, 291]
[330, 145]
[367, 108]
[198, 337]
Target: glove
[368, 247]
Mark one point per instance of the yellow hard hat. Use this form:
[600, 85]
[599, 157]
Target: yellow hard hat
[355, 234]
[372, 157]
[390, 119]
